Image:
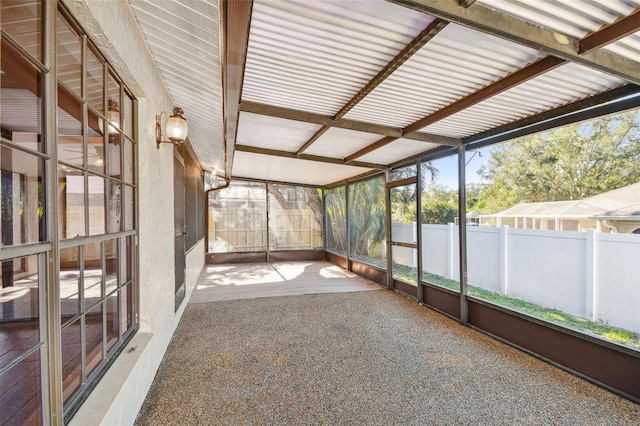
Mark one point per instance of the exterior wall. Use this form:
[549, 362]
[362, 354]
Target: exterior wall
[120, 394]
[626, 227]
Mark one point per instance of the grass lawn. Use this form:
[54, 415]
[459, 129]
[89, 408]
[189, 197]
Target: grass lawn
[552, 315]
[409, 275]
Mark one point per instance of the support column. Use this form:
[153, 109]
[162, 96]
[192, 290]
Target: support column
[462, 229]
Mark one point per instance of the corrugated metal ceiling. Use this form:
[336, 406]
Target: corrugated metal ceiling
[193, 75]
[312, 56]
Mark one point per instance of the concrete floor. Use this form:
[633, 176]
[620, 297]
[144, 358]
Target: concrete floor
[351, 358]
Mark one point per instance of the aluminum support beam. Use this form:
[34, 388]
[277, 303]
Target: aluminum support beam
[235, 20]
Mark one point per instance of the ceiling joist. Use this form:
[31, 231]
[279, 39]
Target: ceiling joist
[325, 121]
[518, 77]
[502, 25]
[610, 33]
[409, 50]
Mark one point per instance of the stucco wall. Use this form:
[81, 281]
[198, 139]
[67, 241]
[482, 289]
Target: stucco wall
[119, 395]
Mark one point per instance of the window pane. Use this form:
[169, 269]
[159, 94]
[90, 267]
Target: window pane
[128, 147]
[111, 259]
[20, 314]
[22, 20]
[69, 56]
[21, 195]
[557, 213]
[336, 219]
[20, 100]
[21, 393]
[95, 81]
[127, 115]
[94, 337]
[113, 320]
[92, 255]
[70, 303]
[70, 133]
[367, 221]
[112, 159]
[96, 205]
[95, 151]
[126, 308]
[127, 260]
[114, 217]
[239, 218]
[71, 200]
[295, 217]
[71, 358]
[440, 234]
[129, 207]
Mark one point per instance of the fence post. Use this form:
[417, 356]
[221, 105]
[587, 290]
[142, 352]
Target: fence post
[450, 251]
[504, 284]
[590, 262]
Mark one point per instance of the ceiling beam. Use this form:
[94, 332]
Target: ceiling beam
[407, 52]
[518, 77]
[325, 121]
[514, 79]
[318, 158]
[610, 102]
[628, 97]
[610, 33]
[502, 25]
[235, 21]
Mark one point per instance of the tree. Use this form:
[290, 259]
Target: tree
[438, 212]
[570, 163]
[366, 216]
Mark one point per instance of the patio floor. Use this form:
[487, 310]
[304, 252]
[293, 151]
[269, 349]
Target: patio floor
[247, 353]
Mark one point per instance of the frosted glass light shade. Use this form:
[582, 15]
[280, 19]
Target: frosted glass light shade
[176, 127]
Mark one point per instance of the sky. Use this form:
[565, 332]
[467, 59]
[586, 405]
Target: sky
[448, 168]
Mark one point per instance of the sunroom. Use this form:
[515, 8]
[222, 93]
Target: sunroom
[368, 134]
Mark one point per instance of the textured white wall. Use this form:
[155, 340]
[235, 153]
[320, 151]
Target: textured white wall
[119, 395]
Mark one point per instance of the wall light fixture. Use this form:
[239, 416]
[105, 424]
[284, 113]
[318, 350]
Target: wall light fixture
[176, 129]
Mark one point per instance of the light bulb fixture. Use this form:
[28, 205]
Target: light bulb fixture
[113, 115]
[113, 118]
[176, 128]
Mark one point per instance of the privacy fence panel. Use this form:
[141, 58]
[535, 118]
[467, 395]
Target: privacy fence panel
[591, 275]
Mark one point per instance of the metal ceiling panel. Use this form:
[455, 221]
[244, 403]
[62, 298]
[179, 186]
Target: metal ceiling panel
[183, 38]
[568, 83]
[315, 55]
[457, 62]
[280, 169]
[396, 151]
[273, 133]
[339, 143]
[575, 18]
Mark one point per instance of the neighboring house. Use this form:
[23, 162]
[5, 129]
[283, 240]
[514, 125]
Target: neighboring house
[612, 211]
[625, 220]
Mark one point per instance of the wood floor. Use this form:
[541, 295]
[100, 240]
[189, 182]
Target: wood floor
[256, 280]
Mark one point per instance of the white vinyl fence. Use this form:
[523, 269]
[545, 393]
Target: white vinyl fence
[588, 274]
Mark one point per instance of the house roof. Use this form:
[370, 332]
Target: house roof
[318, 91]
[629, 194]
[629, 213]
[560, 209]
